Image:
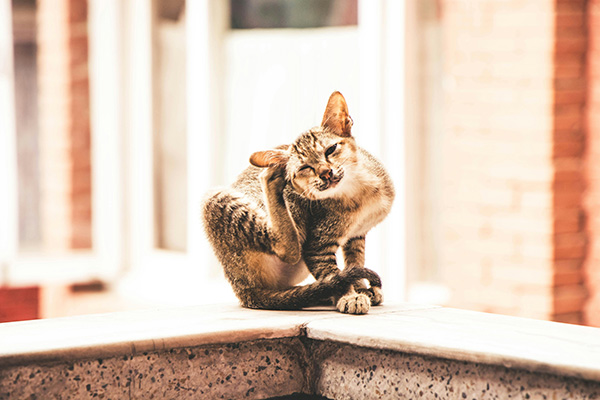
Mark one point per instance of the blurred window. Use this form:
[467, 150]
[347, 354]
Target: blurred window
[265, 14]
[26, 100]
[424, 87]
[170, 144]
[45, 171]
[274, 85]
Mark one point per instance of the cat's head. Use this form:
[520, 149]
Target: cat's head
[321, 162]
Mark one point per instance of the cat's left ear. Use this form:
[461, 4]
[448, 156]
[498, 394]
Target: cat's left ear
[336, 117]
[269, 158]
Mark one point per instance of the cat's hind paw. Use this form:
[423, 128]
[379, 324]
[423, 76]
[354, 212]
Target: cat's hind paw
[354, 303]
[375, 294]
[377, 298]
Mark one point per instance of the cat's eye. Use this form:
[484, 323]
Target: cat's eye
[305, 168]
[330, 150]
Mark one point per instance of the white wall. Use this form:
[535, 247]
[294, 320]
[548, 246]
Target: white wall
[277, 83]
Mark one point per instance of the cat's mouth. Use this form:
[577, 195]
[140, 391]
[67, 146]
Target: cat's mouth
[331, 182]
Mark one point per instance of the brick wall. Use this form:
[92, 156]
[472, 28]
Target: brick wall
[592, 201]
[19, 304]
[568, 136]
[65, 178]
[64, 142]
[512, 208]
[496, 203]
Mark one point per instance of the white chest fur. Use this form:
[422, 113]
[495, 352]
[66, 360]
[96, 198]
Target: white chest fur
[376, 197]
[366, 217]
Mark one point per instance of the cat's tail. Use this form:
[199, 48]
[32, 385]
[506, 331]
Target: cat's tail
[310, 295]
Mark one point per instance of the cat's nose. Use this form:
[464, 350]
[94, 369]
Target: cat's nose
[325, 173]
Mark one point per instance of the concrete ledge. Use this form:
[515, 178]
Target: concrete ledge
[352, 372]
[401, 351]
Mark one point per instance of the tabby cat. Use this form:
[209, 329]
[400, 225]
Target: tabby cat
[288, 213]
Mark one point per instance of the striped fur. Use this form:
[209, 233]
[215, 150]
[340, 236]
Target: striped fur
[286, 216]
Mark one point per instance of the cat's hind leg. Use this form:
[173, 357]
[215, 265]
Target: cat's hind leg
[233, 223]
[238, 226]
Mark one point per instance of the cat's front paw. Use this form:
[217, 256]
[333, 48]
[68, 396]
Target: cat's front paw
[273, 178]
[354, 303]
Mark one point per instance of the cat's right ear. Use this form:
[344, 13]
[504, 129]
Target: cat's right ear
[336, 117]
[269, 158]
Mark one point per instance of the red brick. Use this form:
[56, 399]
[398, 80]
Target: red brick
[569, 318]
[568, 221]
[569, 72]
[77, 11]
[516, 124]
[568, 135]
[570, 246]
[568, 199]
[19, 303]
[570, 45]
[592, 264]
[568, 149]
[64, 121]
[568, 112]
[78, 49]
[568, 278]
[569, 6]
[577, 83]
[571, 32]
[569, 299]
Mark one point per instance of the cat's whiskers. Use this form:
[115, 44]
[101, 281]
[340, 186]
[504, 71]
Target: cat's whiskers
[351, 164]
[308, 194]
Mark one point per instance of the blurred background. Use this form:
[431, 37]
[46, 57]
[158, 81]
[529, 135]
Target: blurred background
[116, 116]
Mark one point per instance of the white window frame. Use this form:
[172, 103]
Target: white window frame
[104, 260]
[382, 110]
[382, 107]
[150, 264]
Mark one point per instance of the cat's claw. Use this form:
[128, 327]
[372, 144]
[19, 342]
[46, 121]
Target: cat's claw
[354, 303]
